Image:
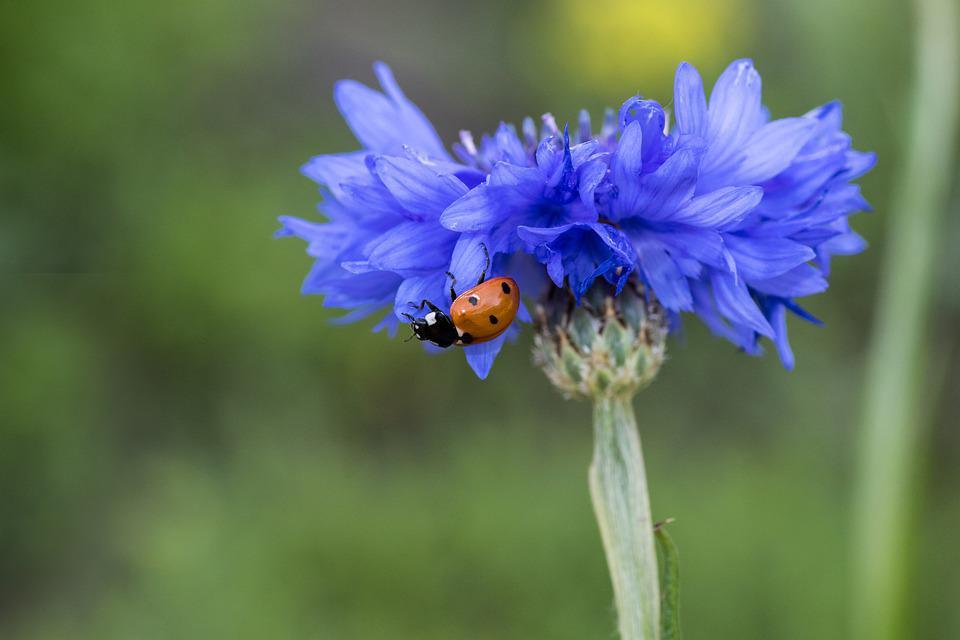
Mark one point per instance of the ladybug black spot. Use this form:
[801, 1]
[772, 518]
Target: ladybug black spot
[473, 300]
[493, 320]
[466, 338]
[505, 287]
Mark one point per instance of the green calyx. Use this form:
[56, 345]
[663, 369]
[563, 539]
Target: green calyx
[607, 346]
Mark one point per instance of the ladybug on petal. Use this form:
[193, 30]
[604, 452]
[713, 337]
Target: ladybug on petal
[477, 315]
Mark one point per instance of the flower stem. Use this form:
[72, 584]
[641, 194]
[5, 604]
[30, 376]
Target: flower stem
[897, 389]
[618, 486]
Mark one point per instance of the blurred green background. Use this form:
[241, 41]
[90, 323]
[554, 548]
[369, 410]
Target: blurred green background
[189, 450]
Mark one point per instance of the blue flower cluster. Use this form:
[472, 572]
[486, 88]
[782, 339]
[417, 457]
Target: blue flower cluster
[727, 213]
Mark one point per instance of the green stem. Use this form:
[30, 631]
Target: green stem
[618, 486]
[894, 413]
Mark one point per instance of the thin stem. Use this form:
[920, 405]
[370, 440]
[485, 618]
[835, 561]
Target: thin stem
[618, 486]
[894, 417]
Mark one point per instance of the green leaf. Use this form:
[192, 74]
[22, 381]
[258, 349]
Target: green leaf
[669, 562]
[572, 362]
[582, 330]
[618, 342]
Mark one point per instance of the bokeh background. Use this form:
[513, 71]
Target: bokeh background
[189, 450]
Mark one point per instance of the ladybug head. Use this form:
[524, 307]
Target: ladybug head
[435, 327]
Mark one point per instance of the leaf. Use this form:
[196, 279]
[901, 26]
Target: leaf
[668, 560]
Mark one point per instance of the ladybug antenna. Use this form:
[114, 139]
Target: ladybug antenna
[408, 317]
[486, 266]
[411, 337]
[453, 284]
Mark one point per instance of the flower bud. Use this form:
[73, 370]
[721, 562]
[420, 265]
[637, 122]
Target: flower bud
[605, 346]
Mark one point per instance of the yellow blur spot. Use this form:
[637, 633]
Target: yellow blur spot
[623, 45]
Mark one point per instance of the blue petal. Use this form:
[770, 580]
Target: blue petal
[591, 175]
[508, 189]
[614, 260]
[858, 163]
[800, 312]
[413, 290]
[764, 258]
[772, 148]
[549, 154]
[690, 105]
[538, 241]
[831, 114]
[846, 244]
[417, 130]
[736, 305]
[478, 210]
[480, 357]
[389, 322]
[368, 196]
[735, 112]
[385, 123]
[419, 188]
[347, 290]
[705, 308]
[584, 131]
[469, 175]
[651, 118]
[722, 208]
[627, 164]
[583, 252]
[614, 238]
[528, 273]
[561, 184]
[778, 320]
[662, 273]
[357, 314]
[324, 240]
[469, 260]
[526, 182]
[702, 245]
[523, 314]
[413, 248]
[509, 146]
[554, 262]
[292, 226]
[747, 339]
[798, 282]
[332, 170]
[581, 153]
[672, 184]
[358, 266]
[542, 235]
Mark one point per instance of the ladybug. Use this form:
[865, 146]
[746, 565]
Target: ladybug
[477, 315]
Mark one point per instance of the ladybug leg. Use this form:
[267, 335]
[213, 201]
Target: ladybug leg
[453, 283]
[424, 303]
[431, 306]
[486, 254]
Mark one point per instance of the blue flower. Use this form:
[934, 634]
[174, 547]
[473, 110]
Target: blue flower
[729, 215]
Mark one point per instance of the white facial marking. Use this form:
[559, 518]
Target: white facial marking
[431, 318]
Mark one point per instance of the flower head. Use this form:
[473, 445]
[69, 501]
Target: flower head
[729, 215]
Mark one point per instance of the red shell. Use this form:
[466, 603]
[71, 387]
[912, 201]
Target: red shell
[485, 311]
